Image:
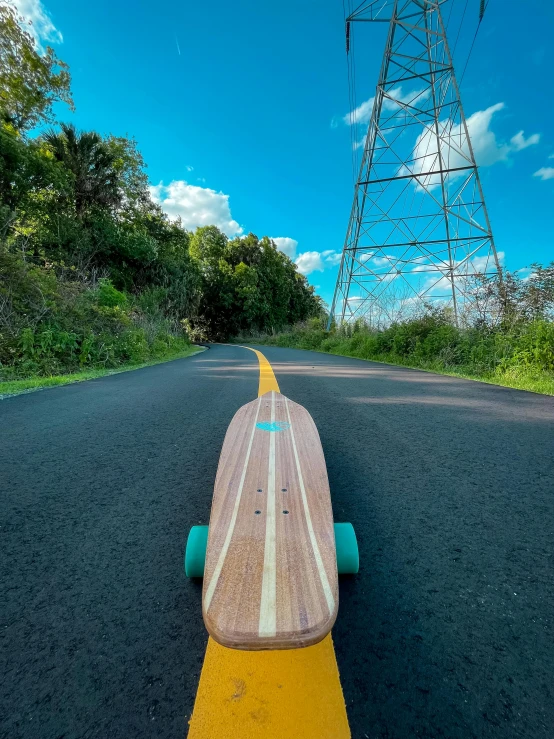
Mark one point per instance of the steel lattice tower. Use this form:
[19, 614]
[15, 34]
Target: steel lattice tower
[419, 228]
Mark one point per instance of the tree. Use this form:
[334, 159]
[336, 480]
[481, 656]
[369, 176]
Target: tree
[30, 184]
[281, 295]
[30, 83]
[248, 285]
[92, 163]
[538, 291]
[128, 164]
[208, 246]
[514, 299]
[174, 270]
[207, 249]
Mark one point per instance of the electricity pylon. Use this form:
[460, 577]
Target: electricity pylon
[419, 229]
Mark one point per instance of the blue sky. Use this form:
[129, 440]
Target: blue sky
[238, 108]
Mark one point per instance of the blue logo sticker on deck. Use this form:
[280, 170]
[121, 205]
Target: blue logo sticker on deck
[275, 426]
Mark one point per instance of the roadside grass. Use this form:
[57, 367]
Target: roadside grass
[520, 377]
[517, 378]
[16, 387]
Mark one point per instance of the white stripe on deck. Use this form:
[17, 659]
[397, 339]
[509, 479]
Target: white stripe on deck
[223, 553]
[268, 606]
[317, 554]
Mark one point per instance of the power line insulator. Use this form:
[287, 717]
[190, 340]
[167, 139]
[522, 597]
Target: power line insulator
[347, 36]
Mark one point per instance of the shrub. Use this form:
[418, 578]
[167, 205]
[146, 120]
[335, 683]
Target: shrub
[433, 341]
[51, 324]
[108, 296]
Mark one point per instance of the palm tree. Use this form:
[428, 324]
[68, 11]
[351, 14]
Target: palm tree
[91, 163]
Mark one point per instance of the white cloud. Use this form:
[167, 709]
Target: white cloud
[486, 148]
[484, 263]
[382, 261]
[481, 264]
[42, 28]
[309, 262]
[286, 245]
[317, 261]
[196, 206]
[485, 145]
[189, 168]
[551, 156]
[362, 113]
[331, 256]
[412, 97]
[545, 173]
[519, 141]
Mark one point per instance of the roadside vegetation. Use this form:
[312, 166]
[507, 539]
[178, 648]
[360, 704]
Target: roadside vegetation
[11, 387]
[511, 343]
[93, 275]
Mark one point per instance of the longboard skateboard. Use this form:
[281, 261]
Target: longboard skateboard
[270, 570]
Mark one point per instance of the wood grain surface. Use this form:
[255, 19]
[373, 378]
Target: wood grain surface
[270, 580]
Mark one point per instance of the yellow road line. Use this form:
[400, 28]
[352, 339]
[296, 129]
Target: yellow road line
[281, 694]
[268, 380]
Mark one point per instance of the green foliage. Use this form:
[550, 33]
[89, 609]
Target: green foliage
[247, 284]
[30, 82]
[128, 165]
[10, 387]
[519, 356]
[92, 272]
[517, 297]
[108, 297]
[52, 324]
[94, 167]
[28, 177]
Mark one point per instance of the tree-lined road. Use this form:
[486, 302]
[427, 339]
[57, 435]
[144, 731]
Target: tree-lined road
[446, 632]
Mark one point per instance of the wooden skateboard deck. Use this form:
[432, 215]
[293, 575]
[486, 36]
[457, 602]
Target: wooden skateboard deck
[270, 578]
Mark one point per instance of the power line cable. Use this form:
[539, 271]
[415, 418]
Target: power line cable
[449, 14]
[355, 103]
[460, 28]
[482, 8]
[350, 95]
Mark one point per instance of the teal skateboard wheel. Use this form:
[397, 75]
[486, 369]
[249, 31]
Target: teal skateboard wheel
[195, 552]
[348, 558]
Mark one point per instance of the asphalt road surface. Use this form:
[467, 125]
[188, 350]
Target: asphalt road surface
[446, 632]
